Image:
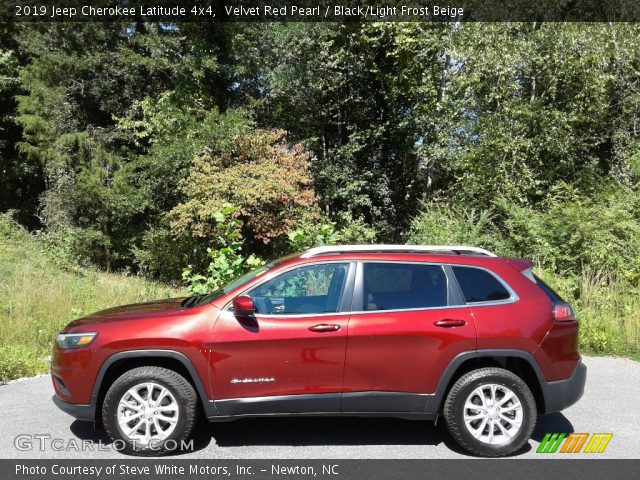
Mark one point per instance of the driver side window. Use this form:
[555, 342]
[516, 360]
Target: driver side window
[305, 290]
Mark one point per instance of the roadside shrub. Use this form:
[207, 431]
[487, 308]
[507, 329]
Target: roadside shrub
[226, 262]
[267, 180]
[440, 224]
[151, 256]
[315, 230]
[574, 233]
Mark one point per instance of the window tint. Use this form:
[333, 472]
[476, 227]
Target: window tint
[396, 286]
[553, 296]
[311, 289]
[479, 285]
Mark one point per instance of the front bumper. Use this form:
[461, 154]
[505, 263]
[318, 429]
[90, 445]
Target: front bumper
[564, 393]
[85, 413]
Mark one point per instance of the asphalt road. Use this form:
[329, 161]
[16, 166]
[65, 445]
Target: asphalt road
[610, 404]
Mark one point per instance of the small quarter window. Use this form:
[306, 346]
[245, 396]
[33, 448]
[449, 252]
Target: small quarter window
[478, 285]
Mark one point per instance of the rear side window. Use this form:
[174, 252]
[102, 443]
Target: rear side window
[400, 286]
[478, 285]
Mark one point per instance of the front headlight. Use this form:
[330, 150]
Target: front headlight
[75, 340]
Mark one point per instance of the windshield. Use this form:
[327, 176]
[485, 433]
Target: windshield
[210, 297]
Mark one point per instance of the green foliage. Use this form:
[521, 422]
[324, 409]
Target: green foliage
[151, 256]
[266, 179]
[608, 308]
[572, 233]
[38, 297]
[315, 231]
[226, 262]
[18, 361]
[366, 98]
[440, 224]
[122, 143]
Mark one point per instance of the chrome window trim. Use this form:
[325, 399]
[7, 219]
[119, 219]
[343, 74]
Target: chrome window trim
[512, 299]
[361, 264]
[228, 309]
[513, 296]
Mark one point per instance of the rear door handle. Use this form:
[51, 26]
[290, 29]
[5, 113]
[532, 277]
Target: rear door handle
[450, 322]
[325, 327]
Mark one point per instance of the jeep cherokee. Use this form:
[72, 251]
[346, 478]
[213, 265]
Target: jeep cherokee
[378, 330]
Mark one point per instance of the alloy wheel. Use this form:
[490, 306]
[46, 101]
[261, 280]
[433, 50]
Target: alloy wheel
[147, 412]
[493, 414]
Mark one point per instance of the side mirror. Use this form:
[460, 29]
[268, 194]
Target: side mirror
[243, 306]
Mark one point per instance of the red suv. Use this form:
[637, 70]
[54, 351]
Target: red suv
[378, 330]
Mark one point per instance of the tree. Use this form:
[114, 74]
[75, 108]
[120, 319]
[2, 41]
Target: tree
[264, 178]
[367, 99]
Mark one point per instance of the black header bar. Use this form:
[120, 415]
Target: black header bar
[172, 11]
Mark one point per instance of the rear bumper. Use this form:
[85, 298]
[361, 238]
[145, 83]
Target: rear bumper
[564, 393]
[86, 413]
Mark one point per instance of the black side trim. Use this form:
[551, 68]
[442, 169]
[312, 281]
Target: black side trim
[208, 405]
[81, 412]
[362, 402]
[280, 404]
[564, 393]
[403, 415]
[400, 404]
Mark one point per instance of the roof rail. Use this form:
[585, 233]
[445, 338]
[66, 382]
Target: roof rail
[457, 249]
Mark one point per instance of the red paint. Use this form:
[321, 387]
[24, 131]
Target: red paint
[243, 305]
[298, 359]
[404, 351]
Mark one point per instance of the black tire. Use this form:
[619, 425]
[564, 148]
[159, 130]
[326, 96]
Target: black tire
[460, 392]
[177, 385]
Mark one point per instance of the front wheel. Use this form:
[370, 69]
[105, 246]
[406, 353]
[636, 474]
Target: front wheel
[149, 411]
[490, 412]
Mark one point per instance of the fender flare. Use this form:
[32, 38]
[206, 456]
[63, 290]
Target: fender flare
[207, 404]
[435, 402]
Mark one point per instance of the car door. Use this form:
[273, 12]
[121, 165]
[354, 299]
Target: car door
[407, 325]
[290, 356]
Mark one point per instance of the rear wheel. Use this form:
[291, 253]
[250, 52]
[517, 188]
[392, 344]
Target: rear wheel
[490, 412]
[149, 410]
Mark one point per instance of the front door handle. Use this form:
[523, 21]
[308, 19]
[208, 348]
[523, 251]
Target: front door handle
[325, 327]
[450, 322]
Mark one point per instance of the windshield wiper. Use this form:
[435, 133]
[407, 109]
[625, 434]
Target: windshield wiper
[191, 301]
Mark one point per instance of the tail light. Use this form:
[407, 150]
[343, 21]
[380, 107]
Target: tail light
[563, 313]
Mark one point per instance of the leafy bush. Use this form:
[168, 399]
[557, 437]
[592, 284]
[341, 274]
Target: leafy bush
[444, 225]
[226, 262]
[573, 233]
[315, 230]
[267, 181]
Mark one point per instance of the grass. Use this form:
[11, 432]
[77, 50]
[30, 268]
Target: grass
[38, 297]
